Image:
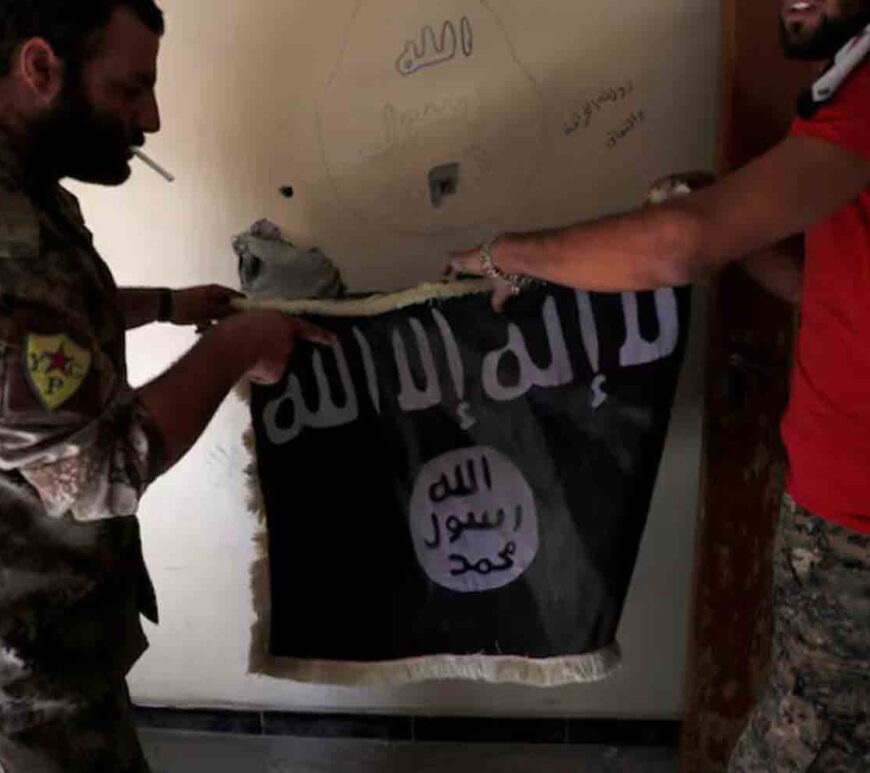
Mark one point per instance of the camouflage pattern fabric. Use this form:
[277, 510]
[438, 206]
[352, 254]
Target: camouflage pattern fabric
[99, 737]
[76, 452]
[815, 713]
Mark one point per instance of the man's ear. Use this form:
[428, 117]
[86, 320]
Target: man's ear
[41, 70]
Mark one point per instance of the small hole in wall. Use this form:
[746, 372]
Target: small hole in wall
[443, 182]
[287, 191]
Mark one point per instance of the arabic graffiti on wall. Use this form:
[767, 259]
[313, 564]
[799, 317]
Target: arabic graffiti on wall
[584, 116]
[434, 96]
[617, 135]
[429, 50]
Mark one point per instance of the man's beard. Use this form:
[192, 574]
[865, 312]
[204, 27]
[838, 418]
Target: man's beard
[74, 140]
[831, 35]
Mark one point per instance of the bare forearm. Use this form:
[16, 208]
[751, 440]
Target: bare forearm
[773, 198]
[640, 251]
[779, 270]
[183, 400]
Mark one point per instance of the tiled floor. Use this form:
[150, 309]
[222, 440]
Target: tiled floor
[179, 752]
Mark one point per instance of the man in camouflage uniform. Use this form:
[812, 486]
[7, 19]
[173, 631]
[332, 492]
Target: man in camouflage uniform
[78, 445]
[815, 713]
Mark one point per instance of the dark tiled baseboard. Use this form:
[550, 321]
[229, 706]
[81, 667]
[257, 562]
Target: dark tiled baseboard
[338, 726]
[623, 732]
[201, 720]
[489, 730]
[433, 729]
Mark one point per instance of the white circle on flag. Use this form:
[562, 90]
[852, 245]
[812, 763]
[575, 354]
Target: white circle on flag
[473, 520]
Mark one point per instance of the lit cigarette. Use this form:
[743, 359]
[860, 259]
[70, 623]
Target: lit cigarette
[153, 164]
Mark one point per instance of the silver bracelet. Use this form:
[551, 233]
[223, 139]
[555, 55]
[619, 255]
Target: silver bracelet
[518, 282]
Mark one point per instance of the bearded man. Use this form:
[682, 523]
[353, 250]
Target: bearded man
[815, 713]
[78, 445]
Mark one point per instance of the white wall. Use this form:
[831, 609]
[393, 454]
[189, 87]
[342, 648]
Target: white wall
[241, 85]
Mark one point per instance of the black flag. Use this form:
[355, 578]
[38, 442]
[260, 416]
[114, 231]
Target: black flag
[450, 481]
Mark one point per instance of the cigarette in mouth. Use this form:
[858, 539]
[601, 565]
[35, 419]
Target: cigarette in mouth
[153, 164]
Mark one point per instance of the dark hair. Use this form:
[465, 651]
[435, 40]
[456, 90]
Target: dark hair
[70, 26]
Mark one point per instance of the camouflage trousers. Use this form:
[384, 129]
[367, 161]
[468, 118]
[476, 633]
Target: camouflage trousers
[97, 736]
[815, 712]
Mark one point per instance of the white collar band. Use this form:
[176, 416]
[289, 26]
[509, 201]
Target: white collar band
[848, 58]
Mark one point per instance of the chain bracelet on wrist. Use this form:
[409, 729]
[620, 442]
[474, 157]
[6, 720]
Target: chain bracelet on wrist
[518, 282]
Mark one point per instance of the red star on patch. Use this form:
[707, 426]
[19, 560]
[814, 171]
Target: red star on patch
[59, 361]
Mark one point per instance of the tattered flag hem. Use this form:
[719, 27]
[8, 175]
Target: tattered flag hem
[372, 305]
[552, 672]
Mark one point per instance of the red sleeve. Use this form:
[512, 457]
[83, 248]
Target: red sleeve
[845, 121]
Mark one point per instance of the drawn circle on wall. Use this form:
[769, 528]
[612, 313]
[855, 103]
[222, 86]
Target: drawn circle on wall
[473, 520]
[429, 122]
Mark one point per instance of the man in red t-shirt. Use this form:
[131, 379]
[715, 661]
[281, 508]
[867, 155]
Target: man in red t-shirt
[815, 713]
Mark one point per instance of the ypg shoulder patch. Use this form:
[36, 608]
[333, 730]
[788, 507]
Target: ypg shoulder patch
[55, 367]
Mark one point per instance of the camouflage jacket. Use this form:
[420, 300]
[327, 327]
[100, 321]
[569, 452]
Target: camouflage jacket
[76, 451]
